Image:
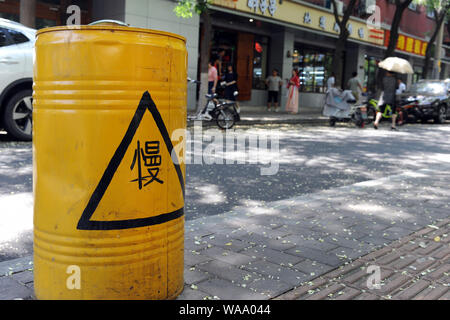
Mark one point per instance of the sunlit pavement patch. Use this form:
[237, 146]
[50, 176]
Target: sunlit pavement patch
[344, 228]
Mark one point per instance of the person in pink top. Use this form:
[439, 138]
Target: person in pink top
[212, 78]
[293, 86]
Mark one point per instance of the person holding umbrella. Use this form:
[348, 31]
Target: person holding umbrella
[389, 87]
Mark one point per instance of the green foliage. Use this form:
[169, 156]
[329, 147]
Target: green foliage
[434, 4]
[186, 8]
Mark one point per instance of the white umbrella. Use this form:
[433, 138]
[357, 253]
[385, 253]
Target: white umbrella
[395, 64]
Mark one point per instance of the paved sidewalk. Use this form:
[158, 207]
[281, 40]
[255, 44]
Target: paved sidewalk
[260, 115]
[278, 249]
[416, 267]
[264, 252]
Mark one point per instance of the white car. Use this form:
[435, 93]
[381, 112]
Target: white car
[16, 78]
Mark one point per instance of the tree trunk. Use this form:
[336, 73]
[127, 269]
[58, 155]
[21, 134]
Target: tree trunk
[439, 18]
[337, 61]
[204, 57]
[426, 63]
[428, 52]
[342, 40]
[28, 13]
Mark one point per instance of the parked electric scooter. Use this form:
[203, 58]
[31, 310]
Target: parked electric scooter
[225, 113]
[341, 106]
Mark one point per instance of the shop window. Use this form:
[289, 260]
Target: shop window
[314, 66]
[260, 48]
[417, 74]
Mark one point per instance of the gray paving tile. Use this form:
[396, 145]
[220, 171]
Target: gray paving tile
[354, 232]
[276, 272]
[23, 277]
[194, 274]
[315, 255]
[227, 271]
[308, 267]
[190, 294]
[276, 244]
[193, 258]
[227, 256]
[227, 242]
[11, 289]
[16, 265]
[272, 255]
[394, 233]
[376, 240]
[269, 287]
[345, 254]
[226, 290]
[300, 231]
[347, 242]
[318, 244]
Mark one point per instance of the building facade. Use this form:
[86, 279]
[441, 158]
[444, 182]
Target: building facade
[257, 36]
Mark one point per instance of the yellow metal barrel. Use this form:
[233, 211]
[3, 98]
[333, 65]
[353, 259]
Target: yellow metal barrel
[108, 173]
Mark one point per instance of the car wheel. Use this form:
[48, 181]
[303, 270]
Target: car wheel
[18, 115]
[442, 114]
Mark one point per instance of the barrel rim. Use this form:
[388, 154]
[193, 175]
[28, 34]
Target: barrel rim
[108, 28]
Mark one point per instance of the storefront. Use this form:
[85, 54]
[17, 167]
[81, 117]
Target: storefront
[314, 65]
[246, 45]
[286, 36]
[255, 37]
[247, 53]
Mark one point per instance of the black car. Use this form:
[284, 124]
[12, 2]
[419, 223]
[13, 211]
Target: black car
[429, 99]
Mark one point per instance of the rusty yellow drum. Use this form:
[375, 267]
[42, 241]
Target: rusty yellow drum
[108, 157]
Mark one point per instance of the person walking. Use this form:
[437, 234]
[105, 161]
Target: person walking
[273, 82]
[389, 85]
[331, 82]
[218, 61]
[230, 83]
[293, 86]
[212, 78]
[353, 84]
[401, 87]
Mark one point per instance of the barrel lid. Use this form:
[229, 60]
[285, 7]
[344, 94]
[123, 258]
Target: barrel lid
[108, 25]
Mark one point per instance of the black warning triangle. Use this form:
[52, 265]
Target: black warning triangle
[85, 222]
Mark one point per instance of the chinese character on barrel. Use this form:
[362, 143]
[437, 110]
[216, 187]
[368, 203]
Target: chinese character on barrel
[149, 158]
